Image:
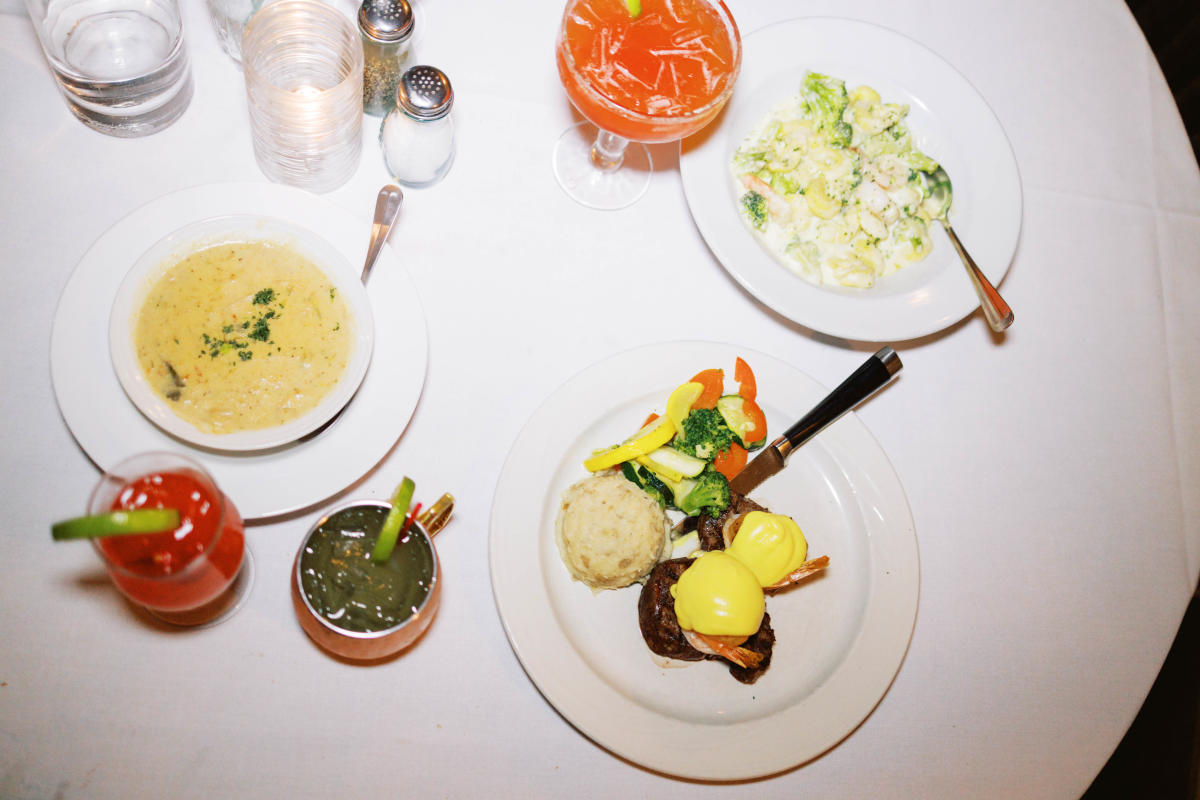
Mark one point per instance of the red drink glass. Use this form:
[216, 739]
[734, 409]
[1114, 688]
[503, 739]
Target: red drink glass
[657, 77]
[196, 574]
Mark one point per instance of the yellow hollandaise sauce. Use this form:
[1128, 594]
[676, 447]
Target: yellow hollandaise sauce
[769, 545]
[243, 336]
[718, 596]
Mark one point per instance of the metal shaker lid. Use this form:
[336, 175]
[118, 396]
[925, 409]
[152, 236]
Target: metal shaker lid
[424, 93]
[388, 21]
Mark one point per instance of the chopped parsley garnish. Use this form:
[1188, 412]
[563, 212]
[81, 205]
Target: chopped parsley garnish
[262, 331]
[238, 337]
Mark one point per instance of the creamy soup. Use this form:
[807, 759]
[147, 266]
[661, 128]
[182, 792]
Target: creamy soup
[242, 336]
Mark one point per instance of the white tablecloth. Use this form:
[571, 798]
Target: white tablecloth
[1052, 471]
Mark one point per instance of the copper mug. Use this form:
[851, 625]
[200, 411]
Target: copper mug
[373, 644]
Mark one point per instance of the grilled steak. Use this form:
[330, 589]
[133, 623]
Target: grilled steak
[661, 631]
[709, 528]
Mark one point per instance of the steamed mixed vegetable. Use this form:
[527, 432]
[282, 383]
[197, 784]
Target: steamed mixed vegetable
[832, 183]
[685, 458]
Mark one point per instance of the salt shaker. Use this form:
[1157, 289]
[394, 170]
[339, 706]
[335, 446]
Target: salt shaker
[417, 135]
[387, 28]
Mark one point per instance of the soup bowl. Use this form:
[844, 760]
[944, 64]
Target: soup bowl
[148, 271]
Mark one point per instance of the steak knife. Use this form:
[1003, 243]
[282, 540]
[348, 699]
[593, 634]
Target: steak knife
[865, 381]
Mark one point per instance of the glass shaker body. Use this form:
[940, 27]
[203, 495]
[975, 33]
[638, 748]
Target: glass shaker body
[417, 152]
[383, 64]
[417, 136]
[386, 27]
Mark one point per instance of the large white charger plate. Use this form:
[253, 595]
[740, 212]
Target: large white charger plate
[840, 637]
[261, 484]
[949, 120]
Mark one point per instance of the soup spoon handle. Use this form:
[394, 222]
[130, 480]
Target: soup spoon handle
[997, 312]
[387, 208]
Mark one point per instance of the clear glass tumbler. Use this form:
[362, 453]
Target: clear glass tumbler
[121, 65]
[229, 18]
[303, 62]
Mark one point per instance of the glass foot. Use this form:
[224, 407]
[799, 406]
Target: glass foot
[595, 186]
[219, 609]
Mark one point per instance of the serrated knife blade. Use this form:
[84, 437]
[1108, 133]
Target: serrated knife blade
[862, 383]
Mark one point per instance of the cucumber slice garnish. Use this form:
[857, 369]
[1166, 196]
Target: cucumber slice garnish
[390, 531]
[117, 523]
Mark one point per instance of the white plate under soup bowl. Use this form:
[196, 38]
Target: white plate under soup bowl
[172, 248]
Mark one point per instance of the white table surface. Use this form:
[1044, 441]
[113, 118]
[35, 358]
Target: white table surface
[1052, 471]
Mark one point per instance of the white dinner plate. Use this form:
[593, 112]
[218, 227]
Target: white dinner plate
[949, 120]
[840, 637]
[261, 484]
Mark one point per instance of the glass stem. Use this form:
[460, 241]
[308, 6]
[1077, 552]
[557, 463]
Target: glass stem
[608, 150]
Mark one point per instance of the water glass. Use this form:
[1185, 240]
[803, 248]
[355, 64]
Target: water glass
[120, 64]
[303, 62]
[229, 18]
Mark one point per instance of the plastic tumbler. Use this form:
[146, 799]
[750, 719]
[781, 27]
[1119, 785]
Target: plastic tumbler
[303, 63]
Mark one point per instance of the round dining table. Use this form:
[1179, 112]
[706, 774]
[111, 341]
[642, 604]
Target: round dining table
[1052, 471]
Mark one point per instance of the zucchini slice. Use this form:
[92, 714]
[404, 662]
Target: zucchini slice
[732, 410]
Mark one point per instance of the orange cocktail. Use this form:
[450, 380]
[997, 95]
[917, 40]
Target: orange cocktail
[640, 70]
[656, 77]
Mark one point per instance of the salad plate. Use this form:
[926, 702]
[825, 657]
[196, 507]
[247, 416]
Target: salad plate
[949, 121]
[840, 639]
[264, 483]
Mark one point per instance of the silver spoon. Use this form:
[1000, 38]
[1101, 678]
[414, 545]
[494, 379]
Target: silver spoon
[387, 208]
[941, 195]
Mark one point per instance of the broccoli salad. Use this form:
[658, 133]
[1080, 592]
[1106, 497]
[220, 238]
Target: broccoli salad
[831, 183]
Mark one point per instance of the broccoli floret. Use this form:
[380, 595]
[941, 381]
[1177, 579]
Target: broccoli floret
[709, 495]
[749, 161]
[755, 206]
[823, 100]
[708, 492]
[704, 434]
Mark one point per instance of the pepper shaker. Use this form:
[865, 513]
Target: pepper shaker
[387, 28]
[417, 136]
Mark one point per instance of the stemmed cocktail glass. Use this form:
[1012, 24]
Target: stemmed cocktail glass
[198, 573]
[640, 71]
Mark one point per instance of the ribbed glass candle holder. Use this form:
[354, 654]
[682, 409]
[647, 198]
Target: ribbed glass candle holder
[303, 63]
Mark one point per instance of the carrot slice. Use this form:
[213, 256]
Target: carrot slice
[759, 431]
[730, 462]
[747, 385]
[653, 416]
[713, 381]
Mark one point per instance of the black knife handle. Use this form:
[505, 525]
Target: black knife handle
[874, 373]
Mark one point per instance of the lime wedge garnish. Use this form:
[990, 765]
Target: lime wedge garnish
[390, 531]
[635, 8]
[117, 523]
